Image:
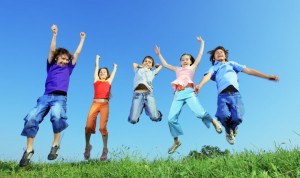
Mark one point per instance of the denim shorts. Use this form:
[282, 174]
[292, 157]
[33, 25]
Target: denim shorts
[56, 104]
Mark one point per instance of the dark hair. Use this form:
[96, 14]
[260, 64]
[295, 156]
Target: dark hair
[149, 57]
[191, 58]
[60, 51]
[108, 75]
[212, 54]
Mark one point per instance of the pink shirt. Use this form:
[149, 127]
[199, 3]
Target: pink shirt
[184, 76]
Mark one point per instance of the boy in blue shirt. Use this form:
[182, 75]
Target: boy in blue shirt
[230, 105]
[60, 64]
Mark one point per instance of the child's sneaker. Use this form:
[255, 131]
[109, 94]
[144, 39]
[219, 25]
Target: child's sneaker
[53, 152]
[87, 152]
[217, 126]
[174, 147]
[26, 158]
[230, 137]
[235, 132]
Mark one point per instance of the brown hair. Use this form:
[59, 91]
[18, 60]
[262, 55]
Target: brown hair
[212, 54]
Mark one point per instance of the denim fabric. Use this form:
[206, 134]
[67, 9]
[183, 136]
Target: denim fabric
[193, 103]
[230, 110]
[57, 105]
[141, 101]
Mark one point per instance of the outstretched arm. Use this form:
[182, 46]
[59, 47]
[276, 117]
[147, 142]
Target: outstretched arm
[204, 80]
[96, 76]
[198, 59]
[113, 73]
[158, 68]
[162, 60]
[53, 43]
[78, 50]
[256, 73]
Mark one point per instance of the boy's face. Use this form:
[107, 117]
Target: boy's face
[62, 60]
[185, 61]
[148, 63]
[220, 55]
[103, 74]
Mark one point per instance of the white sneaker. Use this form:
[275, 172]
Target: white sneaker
[230, 137]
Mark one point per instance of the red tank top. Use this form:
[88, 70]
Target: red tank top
[101, 90]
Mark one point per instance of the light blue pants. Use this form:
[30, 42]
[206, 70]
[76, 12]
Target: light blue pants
[57, 105]
[142, 101]
[186, 96]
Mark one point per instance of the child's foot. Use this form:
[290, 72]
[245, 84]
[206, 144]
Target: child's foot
[230, 137]
[174, 147]
[53, 152]
[235, 132]
[87, 152]
[104, 154]
[217, 126]
[26, 158]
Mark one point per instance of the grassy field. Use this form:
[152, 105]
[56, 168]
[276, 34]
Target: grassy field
[280, 163]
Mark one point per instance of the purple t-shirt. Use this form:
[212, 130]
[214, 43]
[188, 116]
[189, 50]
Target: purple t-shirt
[58, 77]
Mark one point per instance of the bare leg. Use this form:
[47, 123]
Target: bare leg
[105, 150]
[30, 141]
[56, 139]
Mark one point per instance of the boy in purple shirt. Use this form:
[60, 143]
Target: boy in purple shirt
[230, 105]
[60, 64]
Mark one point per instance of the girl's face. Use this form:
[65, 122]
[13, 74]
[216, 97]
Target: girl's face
[62, 60]
[103, 74]
[148, 63]
[185, 61]
[220, 55]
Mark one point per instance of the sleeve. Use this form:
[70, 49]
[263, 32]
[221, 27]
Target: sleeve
[237, 67]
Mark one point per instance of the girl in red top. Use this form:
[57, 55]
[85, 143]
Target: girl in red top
[102, 86]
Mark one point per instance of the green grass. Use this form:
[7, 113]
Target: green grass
[280, 163]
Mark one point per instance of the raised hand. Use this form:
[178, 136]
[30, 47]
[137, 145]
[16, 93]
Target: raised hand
[54, 29]
[199, 39]
[82, 35]
[157, 50]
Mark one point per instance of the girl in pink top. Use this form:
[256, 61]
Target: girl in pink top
[184, 94]
[102, 86]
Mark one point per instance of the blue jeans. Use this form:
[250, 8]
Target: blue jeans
[141, 101]
[186, 96]
[230, 110]
[45, 103]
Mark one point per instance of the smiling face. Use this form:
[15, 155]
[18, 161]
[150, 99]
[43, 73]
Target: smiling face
[220, 55]
[148, 63]
[186, 60]
[62, 60]
[103, 74]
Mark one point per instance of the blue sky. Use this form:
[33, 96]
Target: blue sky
[263, 35]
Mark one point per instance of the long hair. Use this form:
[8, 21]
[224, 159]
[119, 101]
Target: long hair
[107, 71]
[212, 54]
[60, 51]
[191, 58]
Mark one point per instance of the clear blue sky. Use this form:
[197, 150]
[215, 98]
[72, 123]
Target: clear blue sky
[263, 35]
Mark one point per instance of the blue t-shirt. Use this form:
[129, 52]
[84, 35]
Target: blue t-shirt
[225, 74]
[58, 77]
[143, 76]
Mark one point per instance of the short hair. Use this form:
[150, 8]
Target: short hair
[108, 75]
[191, 58]
[149, 57]
[212, 54]
[60, 51]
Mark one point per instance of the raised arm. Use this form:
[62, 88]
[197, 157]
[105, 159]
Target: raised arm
[158, 68]
[204, 80]
[53, 43]
[136, 65]
[113, 73]
[78, 50]
[256, 73]
[162, 60]
[198, 59]
[96, 76]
